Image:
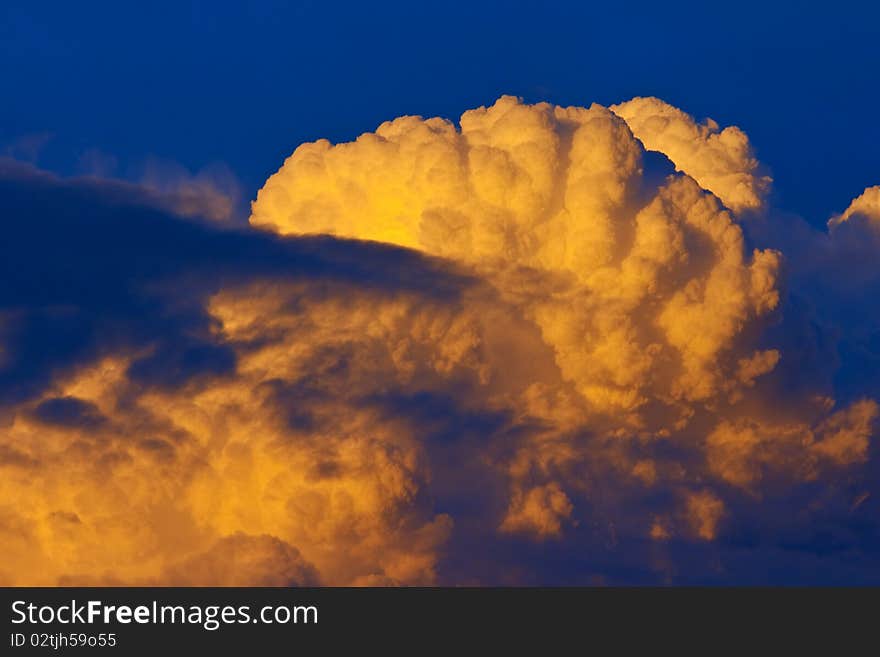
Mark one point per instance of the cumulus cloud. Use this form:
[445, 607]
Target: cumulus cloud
[442, 354]
[865, 208]
[721, 161]
[642, 285]
[553, 205]
[744, 450]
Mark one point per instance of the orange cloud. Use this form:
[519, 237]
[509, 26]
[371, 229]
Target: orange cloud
[575, 352]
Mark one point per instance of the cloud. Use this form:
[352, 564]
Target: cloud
[212, 193]
[721, 161]
[744, 450]
[27, 147]
[519, 350]
[547, 199]
[640, 282]
[832, 276]
[135, 443]
[865, 208]
[242, 560]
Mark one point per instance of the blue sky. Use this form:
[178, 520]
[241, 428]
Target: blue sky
[244, 83]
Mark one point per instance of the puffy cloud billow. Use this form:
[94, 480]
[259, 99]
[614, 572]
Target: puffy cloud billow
[546, 345]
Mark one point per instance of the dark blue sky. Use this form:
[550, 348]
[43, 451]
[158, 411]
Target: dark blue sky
[244, 83]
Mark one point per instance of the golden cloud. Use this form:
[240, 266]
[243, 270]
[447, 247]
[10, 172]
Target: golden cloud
[601, 369]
